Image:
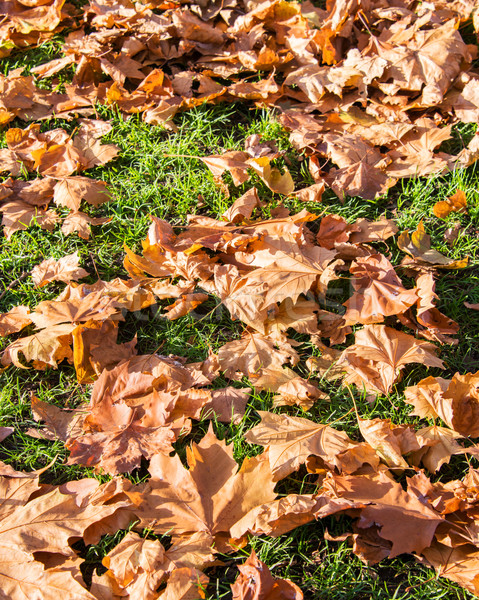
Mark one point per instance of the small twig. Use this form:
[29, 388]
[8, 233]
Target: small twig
[94, 265]
[14, 283]
[411, 587]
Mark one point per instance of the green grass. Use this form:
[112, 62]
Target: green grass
[151, 176]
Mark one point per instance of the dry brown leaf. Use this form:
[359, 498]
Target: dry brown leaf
[92, 307]
[455, 203]
[185, 583]
[18, 216]
[70, 191]
[23, 577]
[298, 391]
[404, 519]
[65, 269]
[438, 444]
[14, 320]
[211, 496]
[242, 208]
[118, 441]
[79, 222]
[455, 401]
[300, 316]
[290, 440]
[251, 354]
[47, 522]
[256, 581]
[380, 354]
[47, 347]
[184, 305]
[471, 306]
[460, 565]
[136, 566]
[439, 326]
[418, 246]
[95, 348]
[389, 441]
[378, 291]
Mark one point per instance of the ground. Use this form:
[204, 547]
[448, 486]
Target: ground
[155, 176]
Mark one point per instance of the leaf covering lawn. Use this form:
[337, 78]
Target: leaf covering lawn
[239, 292]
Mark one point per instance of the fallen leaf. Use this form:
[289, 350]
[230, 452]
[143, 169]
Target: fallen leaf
[403, 518]
[455, 401]
[65, 269]
[290, 440]
[14, 320]
[378, 291]
[457, 564]
[256, 581]
[70, 191]
[211, 496]
[418, 246]
[250, 355]
[455, 203]
[380, 354]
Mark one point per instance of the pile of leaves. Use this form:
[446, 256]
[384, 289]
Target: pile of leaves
[369, 90]
[373, 86]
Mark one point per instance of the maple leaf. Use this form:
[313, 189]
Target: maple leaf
[115, 440]
[243, 302]
[455, 401]
[243, 207]
[185, 584]
[438, 444]
[23, 577]
[47, 347]
[299, 315]
[70, 191]
[184, 305]
[290, 440]
[237, 164]
[325, 364]
[460, 564]
[379, 355]
[211, 496]
[333, 230]
[389, 441]
[255, 580]
[87, 143]
[58, 423]
[439, 326]
[65, 269]
[18, 216]
[298, 391]
[429, 62]
[251, 354]
[455, 203]
[227, 405]
[418, 246]
[94, 306]
[79, 222]
[14, 320]
[378, 291]
[290, 270]
[282, 515]
[137, 566]
[95, 348]
[47, 522]
[16, 488]
[403, 518]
